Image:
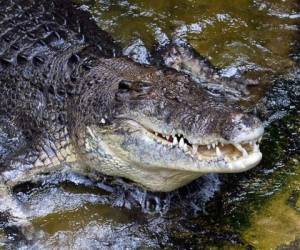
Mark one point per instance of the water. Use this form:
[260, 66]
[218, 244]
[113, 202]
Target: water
[260, 208]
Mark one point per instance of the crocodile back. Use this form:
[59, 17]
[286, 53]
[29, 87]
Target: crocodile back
[45, 48]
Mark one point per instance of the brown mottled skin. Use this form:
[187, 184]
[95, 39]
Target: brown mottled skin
[70, 102]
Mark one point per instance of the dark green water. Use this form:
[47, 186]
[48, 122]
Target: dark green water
[259, 209]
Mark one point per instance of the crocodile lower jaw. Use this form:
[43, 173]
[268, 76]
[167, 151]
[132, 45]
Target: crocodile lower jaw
[168, 172]
[236, 156]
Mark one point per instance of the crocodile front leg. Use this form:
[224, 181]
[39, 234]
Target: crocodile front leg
[15, 219]
[26, 160]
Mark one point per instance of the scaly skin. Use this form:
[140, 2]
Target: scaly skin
[69, 101]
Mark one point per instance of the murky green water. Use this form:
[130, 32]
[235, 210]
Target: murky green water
[253, 36]
[258, 209]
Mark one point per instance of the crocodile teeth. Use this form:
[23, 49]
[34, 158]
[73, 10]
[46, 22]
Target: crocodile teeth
[195, 148]
[241, 149]
[185, 147]
[218, 152]
[216, 148]
[175, 141]
[181, 142]
[227, 159]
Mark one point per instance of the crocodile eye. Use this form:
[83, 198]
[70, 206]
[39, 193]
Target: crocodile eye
[138, 86]
[125, 85]
[133, 89]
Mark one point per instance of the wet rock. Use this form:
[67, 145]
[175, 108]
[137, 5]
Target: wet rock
[138, 52]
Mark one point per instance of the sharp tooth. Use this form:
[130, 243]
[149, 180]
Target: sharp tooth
[156, 133]
[181, 142]
[185, 147]
[259, 140]
[241, 149]
[195, 149]
[167, 137]
[245, 153]
[213, 145]
[208, 146]
[222, 144]
[227, 159]
[255, 147]
[218, 152]
[175, 141]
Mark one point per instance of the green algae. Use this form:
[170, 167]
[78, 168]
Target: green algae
[276, 222]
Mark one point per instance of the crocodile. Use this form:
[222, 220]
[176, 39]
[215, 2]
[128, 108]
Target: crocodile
[69, 101]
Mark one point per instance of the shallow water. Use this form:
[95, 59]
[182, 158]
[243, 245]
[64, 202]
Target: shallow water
[260, 208]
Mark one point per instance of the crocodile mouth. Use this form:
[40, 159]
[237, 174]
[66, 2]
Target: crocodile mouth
[136, 143]
[232, 155]
[164, 162]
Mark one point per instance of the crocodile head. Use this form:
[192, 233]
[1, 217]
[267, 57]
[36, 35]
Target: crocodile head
[165, 132]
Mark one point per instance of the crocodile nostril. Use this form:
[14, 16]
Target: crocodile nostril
[239, 125]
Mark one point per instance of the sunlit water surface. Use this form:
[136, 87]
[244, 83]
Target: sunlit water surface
[259, 209]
